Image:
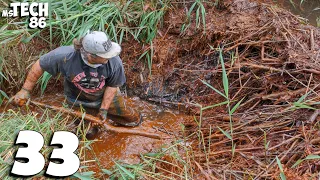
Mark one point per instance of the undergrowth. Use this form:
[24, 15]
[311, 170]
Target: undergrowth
[172, 161]
[122, 21]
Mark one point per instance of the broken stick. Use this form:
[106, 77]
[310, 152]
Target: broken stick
[93, 119]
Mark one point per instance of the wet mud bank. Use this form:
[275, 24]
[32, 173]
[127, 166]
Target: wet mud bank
[255, 38]
[250, 75]
[271, 60]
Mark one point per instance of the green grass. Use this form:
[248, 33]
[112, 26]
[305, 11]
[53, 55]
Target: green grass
[231, 109]
[282, 175]
[200, 16]
[43, 81]
[153, 164]
[122, 21]
[71, 19]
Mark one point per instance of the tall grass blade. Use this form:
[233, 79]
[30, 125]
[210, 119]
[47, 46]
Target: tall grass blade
[215, 105]
[224, 75]
[84, 175]
[312, 157]
[235, 107]
[44, 81]
[122, 169]
[282, 176]
[309, 157]
[216, 90]
[225, 133]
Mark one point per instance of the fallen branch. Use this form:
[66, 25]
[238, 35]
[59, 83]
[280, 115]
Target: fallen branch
[227, 151]
[285, 142]
[93, 119]
[282, 94]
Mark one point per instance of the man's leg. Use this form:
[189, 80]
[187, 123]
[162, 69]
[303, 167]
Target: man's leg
[121, 113]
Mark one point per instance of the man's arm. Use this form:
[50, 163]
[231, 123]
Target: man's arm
[33, 76]
[108, 96]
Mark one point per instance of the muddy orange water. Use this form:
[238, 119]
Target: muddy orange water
[109, 147]
[128, 148]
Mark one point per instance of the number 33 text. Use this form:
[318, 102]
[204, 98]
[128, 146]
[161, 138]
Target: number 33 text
[34, 161]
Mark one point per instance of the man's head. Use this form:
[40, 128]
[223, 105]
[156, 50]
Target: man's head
[98, 47]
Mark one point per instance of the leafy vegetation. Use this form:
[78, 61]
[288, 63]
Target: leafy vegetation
[228, 101]
[71, 19]
[123, 21]
[156, 165]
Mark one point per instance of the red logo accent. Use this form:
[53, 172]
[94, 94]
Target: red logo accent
[77, 81]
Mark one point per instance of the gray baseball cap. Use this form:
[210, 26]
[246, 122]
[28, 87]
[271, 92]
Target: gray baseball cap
[98, 43]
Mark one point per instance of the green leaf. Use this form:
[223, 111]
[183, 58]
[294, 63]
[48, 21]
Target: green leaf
[282, 176]
[267, 145]
[25, 39]
[236, 106]
[216, 90]
[183, 127]
[2, 75]
[225, 133]
[128, 173]
[301, 105]
[106, 171]
[44, 81]
[303, 97]
[152, 154]
[309, 157]
[214, 105]
[312, 156]
[203, 11]
[197, 18]
[84, 176]
[224, 75]
[297, 163]
[279, 164]
[4, 94]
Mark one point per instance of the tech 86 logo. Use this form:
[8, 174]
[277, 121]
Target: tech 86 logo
[36, 11]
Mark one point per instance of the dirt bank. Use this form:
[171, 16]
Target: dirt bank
[271, 58]
[272, 62]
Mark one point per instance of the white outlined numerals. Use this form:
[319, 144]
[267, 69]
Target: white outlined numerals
[37, 22]
[34, 161]
[71, 162]
[35, 164]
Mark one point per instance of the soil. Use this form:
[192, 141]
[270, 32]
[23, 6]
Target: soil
[272, 61]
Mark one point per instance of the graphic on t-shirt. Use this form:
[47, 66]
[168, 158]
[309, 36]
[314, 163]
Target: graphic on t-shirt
[89, 84]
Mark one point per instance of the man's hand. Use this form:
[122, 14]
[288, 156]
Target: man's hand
[24, 94]
[103, 114]
[21, 97]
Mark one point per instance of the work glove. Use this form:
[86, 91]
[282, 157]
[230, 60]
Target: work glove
[21, 97]
[103, 114]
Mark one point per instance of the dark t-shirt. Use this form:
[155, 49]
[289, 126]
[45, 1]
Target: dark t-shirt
[81, 81]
